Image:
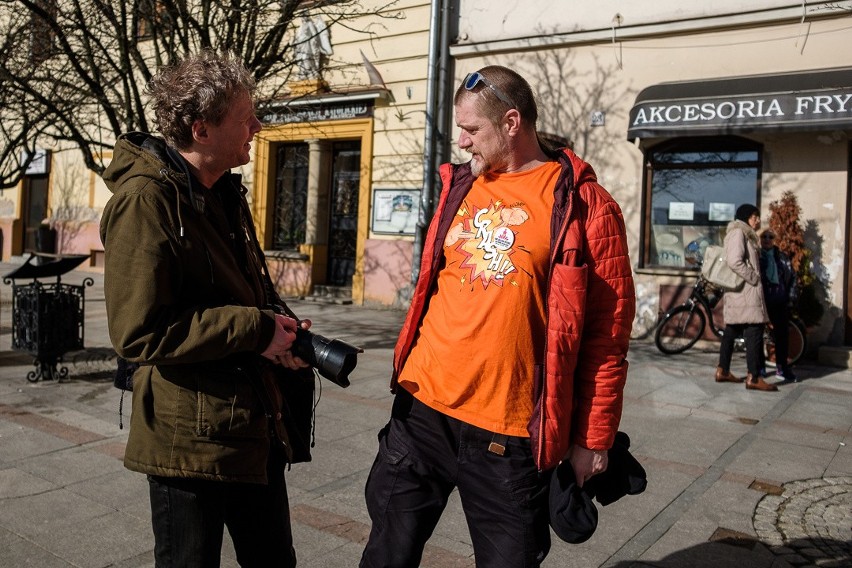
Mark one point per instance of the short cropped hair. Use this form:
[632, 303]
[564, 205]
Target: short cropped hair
[512, 85]
[202, 86]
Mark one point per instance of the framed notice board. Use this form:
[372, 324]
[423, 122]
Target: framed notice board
[395, 211]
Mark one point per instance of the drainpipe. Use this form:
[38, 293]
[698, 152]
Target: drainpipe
[434, 151]
[443, 114]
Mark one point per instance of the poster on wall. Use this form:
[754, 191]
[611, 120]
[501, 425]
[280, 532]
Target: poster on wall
[395, 211]
[681, 211]
[696, 239]
[721, 211]
[667, 246]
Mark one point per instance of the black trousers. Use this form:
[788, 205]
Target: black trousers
[189, 515]
[753, 335]
[423, 455]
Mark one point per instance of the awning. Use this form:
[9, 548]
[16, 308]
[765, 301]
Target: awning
[801, 101]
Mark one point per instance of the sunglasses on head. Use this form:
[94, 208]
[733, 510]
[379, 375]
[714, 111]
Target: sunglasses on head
[768, 237]
[475, 78]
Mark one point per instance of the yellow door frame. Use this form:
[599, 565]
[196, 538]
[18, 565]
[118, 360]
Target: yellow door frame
[264, 178]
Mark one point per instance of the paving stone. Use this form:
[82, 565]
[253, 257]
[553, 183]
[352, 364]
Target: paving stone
[814, 519]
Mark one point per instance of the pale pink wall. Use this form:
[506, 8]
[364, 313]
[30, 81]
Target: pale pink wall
[292, 278]
[387, 269]
[6, 226]
[82, 240]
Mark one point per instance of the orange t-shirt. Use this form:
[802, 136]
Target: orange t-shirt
[484, 331]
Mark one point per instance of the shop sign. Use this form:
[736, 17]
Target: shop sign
[747, 111]
[40, 164]
[801, 101]
[318, 113]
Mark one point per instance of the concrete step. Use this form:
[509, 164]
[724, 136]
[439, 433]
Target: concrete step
[835, 356]
[323, 293]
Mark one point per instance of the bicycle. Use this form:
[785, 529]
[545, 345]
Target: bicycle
[682, 326]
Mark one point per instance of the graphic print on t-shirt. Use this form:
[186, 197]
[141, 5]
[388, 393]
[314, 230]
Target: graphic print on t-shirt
[486, 241]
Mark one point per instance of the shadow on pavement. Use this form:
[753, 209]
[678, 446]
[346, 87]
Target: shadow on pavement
[736, 552]
[365, 335]
[14, 359]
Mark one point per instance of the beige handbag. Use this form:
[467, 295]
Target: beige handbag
[716, 270]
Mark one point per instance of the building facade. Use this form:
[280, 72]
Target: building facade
[336, 173]
[684, 111]
[688, 111]
[339, 164]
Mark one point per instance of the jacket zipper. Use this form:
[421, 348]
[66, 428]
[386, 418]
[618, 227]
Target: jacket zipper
[554, 249]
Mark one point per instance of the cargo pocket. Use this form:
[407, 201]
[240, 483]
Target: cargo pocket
[391, 461]
[227, 407]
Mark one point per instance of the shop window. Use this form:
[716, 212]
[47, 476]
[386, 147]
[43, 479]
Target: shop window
[291, 197]
[693, 189]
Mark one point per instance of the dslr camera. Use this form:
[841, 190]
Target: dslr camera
[333, 358]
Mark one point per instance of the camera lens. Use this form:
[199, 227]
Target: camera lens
[332, 358]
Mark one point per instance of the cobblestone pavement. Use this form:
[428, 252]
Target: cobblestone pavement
[810, 523]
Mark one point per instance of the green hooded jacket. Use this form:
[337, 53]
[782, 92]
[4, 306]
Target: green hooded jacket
[186, 297]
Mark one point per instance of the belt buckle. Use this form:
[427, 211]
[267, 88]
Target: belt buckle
[498, 444]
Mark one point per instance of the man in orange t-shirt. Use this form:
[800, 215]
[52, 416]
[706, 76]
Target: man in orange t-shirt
[470, 361]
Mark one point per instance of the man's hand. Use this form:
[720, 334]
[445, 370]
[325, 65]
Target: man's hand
[282, 340]
[587, 463]
[287, 359]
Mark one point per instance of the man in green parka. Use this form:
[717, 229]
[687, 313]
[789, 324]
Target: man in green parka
[189, 298]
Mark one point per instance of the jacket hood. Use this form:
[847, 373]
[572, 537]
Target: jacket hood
[137, 154]
[737, 225]
[583, 171]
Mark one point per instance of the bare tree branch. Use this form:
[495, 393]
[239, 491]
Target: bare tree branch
[80, 77]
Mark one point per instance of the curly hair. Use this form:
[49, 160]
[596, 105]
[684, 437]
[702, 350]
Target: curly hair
[202, 86]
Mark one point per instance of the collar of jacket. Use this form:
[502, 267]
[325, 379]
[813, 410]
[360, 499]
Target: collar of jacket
[749, 233]
[174, 169]
[168, 161]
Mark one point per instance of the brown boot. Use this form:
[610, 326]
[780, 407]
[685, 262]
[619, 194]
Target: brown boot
[758, 383]
[726, 377]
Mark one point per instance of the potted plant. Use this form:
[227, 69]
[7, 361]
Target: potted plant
[785, 221]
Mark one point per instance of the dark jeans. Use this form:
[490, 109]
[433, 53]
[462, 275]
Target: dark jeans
[423, 455]
[189, 516]
[753, 335]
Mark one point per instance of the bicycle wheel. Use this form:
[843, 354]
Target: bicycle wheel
[679, 329]
[798, 341]
[796, 346]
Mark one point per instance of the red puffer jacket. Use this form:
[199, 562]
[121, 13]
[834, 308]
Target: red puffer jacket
[590, 309]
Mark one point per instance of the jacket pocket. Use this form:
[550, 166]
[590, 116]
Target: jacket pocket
[228, 407]
[567, 297]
